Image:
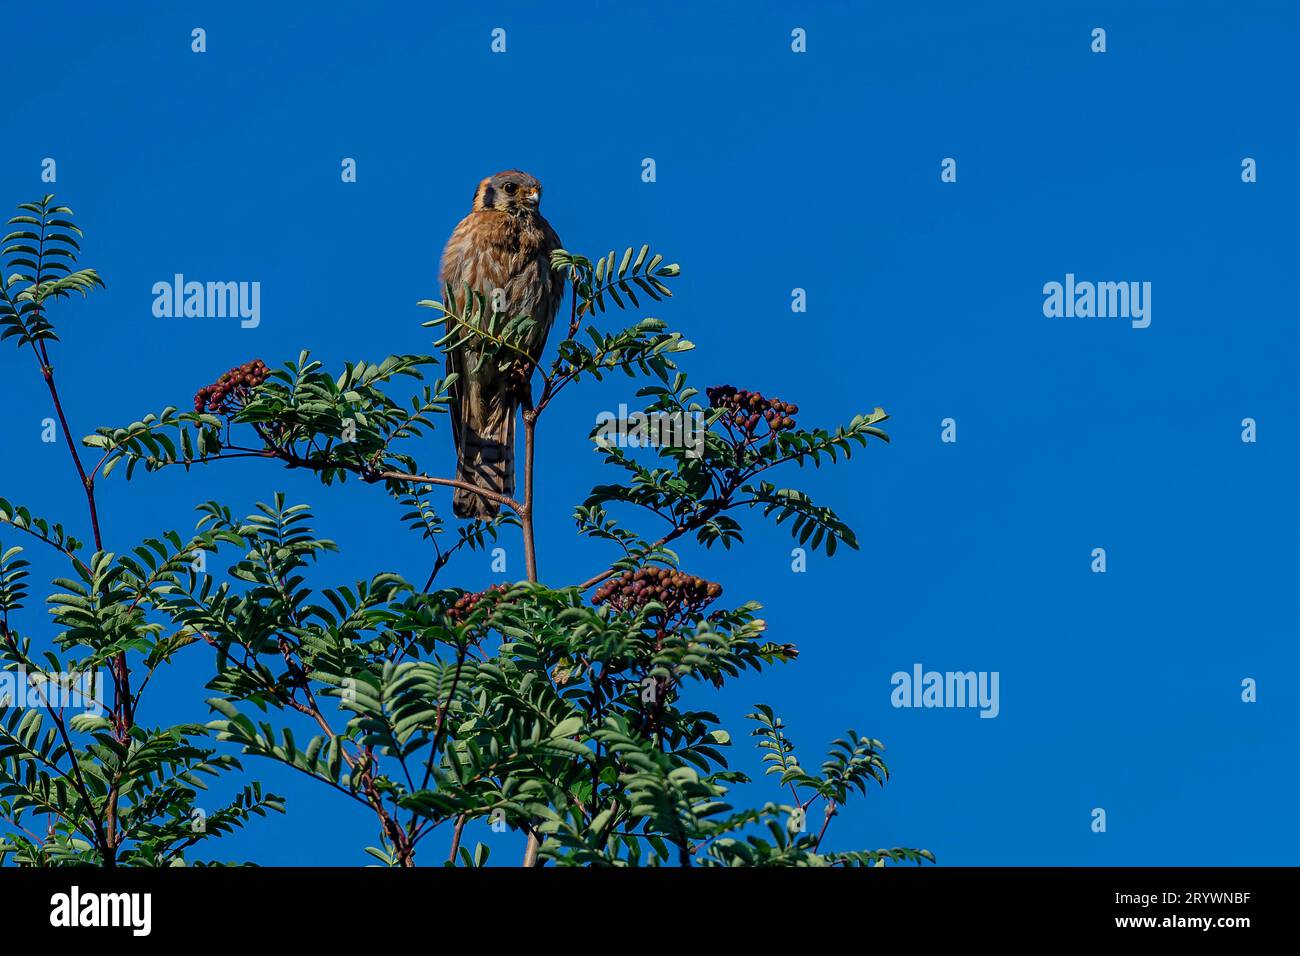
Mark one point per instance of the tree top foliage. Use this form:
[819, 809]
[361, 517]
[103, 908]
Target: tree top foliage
[564, 709]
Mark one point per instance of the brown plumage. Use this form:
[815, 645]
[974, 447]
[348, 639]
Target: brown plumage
[504, 243]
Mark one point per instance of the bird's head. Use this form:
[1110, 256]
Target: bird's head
[512, 191]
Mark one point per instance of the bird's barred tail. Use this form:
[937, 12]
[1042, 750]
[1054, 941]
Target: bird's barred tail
[486, 458]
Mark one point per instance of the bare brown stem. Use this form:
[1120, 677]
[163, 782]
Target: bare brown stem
[830, 812]
[123, 704]
[526, 515]
[530, 561]
[455, 838]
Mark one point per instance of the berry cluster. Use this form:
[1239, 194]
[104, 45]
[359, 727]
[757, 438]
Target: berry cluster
[676, 591]
[746, 409]
[232, 389]
[467, 603]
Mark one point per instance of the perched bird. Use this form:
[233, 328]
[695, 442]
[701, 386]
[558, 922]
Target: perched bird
[503, 244]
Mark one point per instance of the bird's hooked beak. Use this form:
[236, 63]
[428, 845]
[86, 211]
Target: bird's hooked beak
[533, 197]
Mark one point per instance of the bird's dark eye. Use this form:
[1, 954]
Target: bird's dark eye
[511, 188]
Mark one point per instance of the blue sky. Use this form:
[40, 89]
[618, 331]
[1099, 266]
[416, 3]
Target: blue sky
[774, 171]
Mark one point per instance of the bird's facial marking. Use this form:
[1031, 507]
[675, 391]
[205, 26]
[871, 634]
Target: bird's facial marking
[511, 191]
